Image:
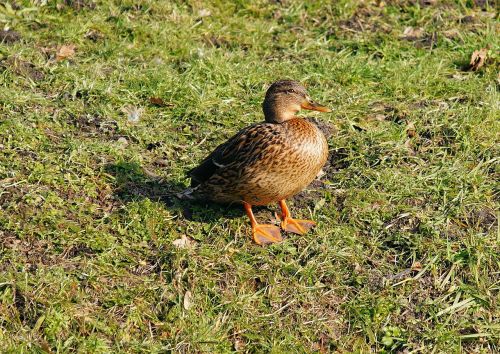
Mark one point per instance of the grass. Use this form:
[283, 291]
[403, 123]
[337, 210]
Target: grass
[96, 253]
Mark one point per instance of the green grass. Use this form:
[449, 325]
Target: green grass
[406, 254]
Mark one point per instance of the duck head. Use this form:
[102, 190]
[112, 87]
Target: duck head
[285, 98]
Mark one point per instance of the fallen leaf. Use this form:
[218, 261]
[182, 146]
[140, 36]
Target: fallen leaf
[239, 344]
[94, 35]
[149, 173]
[451, 34]
[188, 300]
[477, 59]
[377, 117]
[157, 101]
[417, 266]
[204, 13]
[65, 52]
[408, 145]
[183, 242]
[133, 113]
[319, 204]
[459, 77]
[9, 36]
[357, 267]
[410, 130]
[123, 141]
[162, 162]
[413, 33]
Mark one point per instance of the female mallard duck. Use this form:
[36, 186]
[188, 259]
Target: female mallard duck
[267, 162]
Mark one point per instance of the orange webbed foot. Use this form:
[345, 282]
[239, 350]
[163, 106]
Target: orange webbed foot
[297, 226]
[264, 234]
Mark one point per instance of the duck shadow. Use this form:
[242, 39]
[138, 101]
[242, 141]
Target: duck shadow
[132, 183]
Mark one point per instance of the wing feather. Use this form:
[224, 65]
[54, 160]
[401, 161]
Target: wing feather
[239, 149]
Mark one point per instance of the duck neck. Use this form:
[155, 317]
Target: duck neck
[274, 115]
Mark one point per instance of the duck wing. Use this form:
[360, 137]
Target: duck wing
[241, 149]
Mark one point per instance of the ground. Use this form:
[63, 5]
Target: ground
[105, 105]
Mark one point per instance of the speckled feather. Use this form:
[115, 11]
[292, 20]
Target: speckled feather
[263, 163]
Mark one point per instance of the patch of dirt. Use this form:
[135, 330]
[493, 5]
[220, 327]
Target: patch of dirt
[424, 40]
[94, 124]
[422, 294]
[421, 3]
[424, 3]
[403, 222]
[217, 41]
[150, 265]
[27, 308]
[467, 19]
[12, 193]
[307, 198]
[94, 35]
[365, 19]
[9, 36]
[22, 68]
[77, 250]
[33, 251]
[385, 112]
[443, 137]
[154, 146]
[484, 219]
[80, 4]
[337, 159]
[325, 306]
[483, 4]
[212, 40]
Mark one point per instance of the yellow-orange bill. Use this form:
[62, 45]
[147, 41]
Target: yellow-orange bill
[313, 106]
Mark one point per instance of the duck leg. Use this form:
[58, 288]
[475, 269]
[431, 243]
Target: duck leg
[296, 226]
[262, 233]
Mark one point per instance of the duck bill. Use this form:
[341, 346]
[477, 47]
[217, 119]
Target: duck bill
[313, 106]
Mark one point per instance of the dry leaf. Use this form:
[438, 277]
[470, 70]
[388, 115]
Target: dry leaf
[477, 59]
[239, 344]
[417, 266]
[408, 145]
[65, 52]
[410, 130]
[94, 35]
[188, 300]
[413, 33]
[451, 34]
[182, 242]
[204, 13]
[157, 101]
[123, 141]
[459, 77]
[133, 113]
[377, 117]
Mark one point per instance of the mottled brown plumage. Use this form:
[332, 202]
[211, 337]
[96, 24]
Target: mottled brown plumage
[266, 162]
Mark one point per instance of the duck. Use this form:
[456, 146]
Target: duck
[266, 162]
